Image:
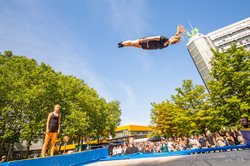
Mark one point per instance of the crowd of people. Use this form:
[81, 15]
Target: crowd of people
[223, 138]
[208, 140]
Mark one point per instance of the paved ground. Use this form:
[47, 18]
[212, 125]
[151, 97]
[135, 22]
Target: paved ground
[232, 158]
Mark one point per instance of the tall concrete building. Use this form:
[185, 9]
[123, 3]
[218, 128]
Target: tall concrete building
[199, 45]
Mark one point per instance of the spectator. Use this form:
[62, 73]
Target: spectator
[114, 151]
[202, 142]
[194, 142]
[151, 148]
[158, 147]
[119, 150]
[124, 148]
[164, 146]
[131, 149]
[181, 144]
[186, 145]
[3, 159]
[219, 140]
[244, 122]
[240, 138]
[229, 139]
[210, 139]
[147, 150]
[170, 145]
[236, 133]
[154, 148]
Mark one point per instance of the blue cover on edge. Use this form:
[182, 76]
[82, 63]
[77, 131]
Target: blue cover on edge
[164, 154]
[63, 160]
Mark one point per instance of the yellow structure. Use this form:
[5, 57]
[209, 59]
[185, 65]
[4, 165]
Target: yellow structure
[122, 131]
[72, 146]
[130, 130]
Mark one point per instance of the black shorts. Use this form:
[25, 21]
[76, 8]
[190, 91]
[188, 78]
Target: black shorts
[152, 45]
[144, 45]
[53, 128]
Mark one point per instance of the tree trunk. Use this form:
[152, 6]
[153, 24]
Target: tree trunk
[83, 139]
[11, 151]
[8, 152]
[77, 144]
[27, 150]
[1, 146]
[79, 141]
[87, 143]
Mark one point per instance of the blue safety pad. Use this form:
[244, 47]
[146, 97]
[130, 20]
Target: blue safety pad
[63, 160]
[175, 153]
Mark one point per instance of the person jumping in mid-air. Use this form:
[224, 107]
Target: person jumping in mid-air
[156, 42]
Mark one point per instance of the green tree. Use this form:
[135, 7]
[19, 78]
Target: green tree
[113, 117]
[28, 93]
[9, 105]
[230, 87]
[76, 124]
[163, 118]
[98, 122]
[195, 103]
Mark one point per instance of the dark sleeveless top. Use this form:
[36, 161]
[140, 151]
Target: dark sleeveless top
[154, 44]
[53, 123]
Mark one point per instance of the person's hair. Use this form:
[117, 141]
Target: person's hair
[179, 33]
[244, 118]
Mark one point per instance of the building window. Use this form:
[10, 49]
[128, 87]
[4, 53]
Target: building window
[197, 58]
[201, 64]
[204, 72]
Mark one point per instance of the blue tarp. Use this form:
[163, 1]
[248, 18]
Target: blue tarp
[63, 160]
[184, 152]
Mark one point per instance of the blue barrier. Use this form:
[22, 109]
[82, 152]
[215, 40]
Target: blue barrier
[63, 160]
[175, 153]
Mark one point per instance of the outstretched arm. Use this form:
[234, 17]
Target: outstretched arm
[59, 121]
[150, 38]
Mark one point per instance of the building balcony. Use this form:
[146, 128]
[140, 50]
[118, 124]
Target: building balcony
[229, 31]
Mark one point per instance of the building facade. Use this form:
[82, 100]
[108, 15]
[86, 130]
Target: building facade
[238, 32]
[131, 130]
[199, 45]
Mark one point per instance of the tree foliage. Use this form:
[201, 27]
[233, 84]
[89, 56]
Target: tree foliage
[163, 118]
[189, 112]
[192, 110]
[230, 87]
[28, 93]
